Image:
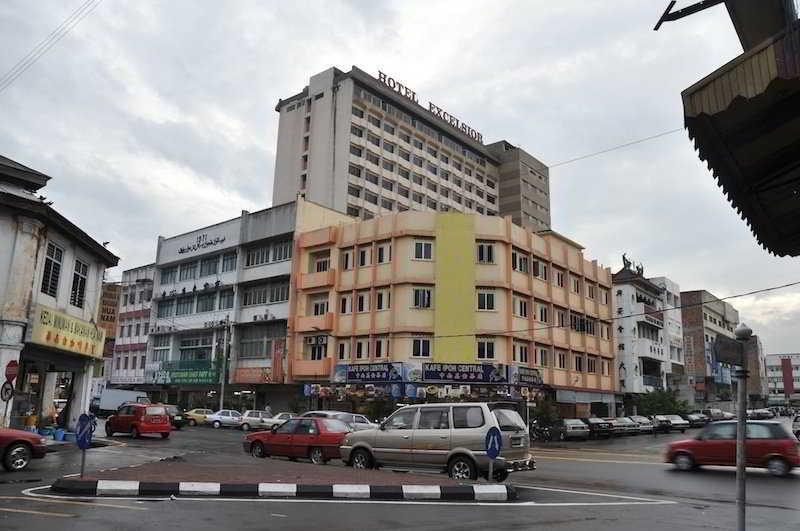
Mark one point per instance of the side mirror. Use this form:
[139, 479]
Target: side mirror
[274, 428]
[382, 427]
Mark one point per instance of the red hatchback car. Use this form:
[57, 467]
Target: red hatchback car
[138, 419]
[315, 438]
[769, 445]
[18, 447]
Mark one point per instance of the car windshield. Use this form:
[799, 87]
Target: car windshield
[509, 420]
[573, 422]
[155, 410]
[674, 417]
[336, 426]
[173, 410]
[595, 420]
[624, 420]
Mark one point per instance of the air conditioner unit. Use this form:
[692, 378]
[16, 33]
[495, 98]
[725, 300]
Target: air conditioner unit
[322, 340]
[311, 340]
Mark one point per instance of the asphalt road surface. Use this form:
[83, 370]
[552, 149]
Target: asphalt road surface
[618, 484]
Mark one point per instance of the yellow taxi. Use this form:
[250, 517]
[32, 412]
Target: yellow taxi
[197, 416]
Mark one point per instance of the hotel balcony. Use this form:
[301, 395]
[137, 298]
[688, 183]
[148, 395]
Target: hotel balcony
[310, 323]
[317, 280]
[648, 314]
[311, 369]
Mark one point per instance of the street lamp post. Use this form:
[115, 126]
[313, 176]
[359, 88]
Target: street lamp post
[743, 335]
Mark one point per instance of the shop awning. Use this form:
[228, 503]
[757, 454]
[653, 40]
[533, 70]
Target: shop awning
[744, 119]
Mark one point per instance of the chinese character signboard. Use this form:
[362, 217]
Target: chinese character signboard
[252, 375]
[58, 330]
[368, 373]
[463, 373]
[524, 376]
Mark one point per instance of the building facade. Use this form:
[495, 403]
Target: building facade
[51, 275]
[130, 350]
[783, 378]
[408, 301]
[649, 332]
[109, 302]
[365, 146]
[705, 318]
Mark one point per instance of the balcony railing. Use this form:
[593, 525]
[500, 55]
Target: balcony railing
[652, 381]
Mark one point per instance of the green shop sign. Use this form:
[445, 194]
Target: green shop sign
[186, 376]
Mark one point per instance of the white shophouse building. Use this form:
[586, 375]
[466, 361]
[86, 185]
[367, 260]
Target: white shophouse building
[133, 326]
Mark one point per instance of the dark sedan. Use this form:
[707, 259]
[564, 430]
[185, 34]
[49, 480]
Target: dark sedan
[598, 427]
[564, 429]
[696, 421]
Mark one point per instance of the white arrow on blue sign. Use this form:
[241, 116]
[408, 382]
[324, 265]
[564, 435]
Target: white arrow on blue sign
[494, 442]
[83, 432]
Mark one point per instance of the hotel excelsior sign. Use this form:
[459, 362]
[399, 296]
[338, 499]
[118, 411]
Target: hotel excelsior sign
[437, 111]
[54, 329]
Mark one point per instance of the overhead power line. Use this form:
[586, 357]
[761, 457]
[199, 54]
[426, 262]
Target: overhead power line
[47, 43]
[614, 148]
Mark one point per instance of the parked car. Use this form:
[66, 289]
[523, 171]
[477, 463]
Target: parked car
[677, 423]
[358, 422]
[796, 426]
[564, 429]
[631, 427]
[18, 447]
[644, 424]
[769, 445]
[618, 429]
[760, 414]
[224, 417]
[318, 439]
[661, 424]
[598, 427]
[712, 413]
[446, 437]
[139, 419]
[277, 420]
[176, 417]
[255, 419]
[695, 420]
[197, 416]
[727, 415]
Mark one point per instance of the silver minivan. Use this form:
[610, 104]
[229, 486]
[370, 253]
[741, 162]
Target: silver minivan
[446, 437]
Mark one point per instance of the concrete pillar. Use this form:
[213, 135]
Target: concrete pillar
[48, 394]
[81, 394]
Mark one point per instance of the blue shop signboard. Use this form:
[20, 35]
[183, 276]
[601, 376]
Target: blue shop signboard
[463, 373]
[368, 373]
[524, 376]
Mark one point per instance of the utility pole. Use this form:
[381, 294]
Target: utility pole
[225, 353]
[743, 334]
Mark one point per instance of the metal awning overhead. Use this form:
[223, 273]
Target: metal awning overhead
[744, 119]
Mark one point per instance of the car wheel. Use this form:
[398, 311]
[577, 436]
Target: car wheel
[245, 426]
[192, 422]
[257, 450]
[778, 466]
[501, 475]
[461, 467]
[216, 424]
[361, 460]
[683, 462]
[165, 435]
[316, 456]
[109, 429]
[17, 457]
[134, 432]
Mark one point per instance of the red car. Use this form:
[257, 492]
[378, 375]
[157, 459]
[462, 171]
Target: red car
[139, 419]
[769, 445]
[315, 438]
[18, 447]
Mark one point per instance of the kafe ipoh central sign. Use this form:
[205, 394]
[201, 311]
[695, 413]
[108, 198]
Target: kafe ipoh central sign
[437, 111]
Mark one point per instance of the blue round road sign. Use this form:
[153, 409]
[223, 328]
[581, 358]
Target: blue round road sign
[494, 442]
[83, 433]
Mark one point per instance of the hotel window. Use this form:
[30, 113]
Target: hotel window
[78, 295]
[188, 271]
[590, 326]
[357, 131]
[209, 266]
[417, 144]
[421, 348]
[417, 161]
[355, 191]
[279, 292]
[468, 187]
[226, 299]
[346, 304]
[539, 269]
[591, 291]
[576, 284]
[444, 192]
[432, 186]
[417, 197]
[358, 151]
[344, 350]
[561, 357]
[558, 277]
[373, 139]
[445, 175]
[282, 251]
[520, 307]
[319, 304]
[405, 155]
[457, 198]
[184, 307]
[347, 259]
[544, 356]
[479, 209]
[520, 352]
[490, 183]
[423, 250]
[389, 128]
[418, 179]
[358, 112]
[229, 262]
[320, 263]
[444, 158]
[405, 137]
[486, 300]
[456, 165]
[519, 261]
[432, 204]
[362, 301]
[388, 165]
[433, 169]
[307, 125]
[125, 364]
[388, 146]
[485, 252]
[384, 252]
[485, 348]
[605, 331]
[479, 192]
[373, 158]
[354, 170]
[491, 199]
[467, 171]
[146, 328]
[317, 351]
[370, 197]
[542, 313]
[374, 120]
[165, 308]
[591, 364]
[458, 182]
[388, 204]
[372, 177]
[578, 362]
[381, 347]
[364, 256]
[432, 151]
[403, 191]
[604, 367]
[604, 296]
[423, 297]
[362, 349]
[206, 302]
[257, 255]
[255, 295]
[404, 173]
[168, 275]
[382, 299]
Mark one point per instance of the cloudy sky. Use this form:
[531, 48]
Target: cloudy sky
[154, 118]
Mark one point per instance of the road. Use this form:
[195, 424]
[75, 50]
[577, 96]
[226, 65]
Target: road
[619, 484]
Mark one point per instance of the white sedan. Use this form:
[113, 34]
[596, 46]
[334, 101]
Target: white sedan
[277, 420]
[224, 417]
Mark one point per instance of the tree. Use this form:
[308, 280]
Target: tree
[545, 412]
[661, 402]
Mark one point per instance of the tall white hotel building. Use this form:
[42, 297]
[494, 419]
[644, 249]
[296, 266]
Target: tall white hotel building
[366, 146]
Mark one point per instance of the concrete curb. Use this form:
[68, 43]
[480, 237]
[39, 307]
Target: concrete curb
[102, 487]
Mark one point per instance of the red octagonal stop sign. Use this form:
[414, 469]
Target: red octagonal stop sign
[12, 368]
